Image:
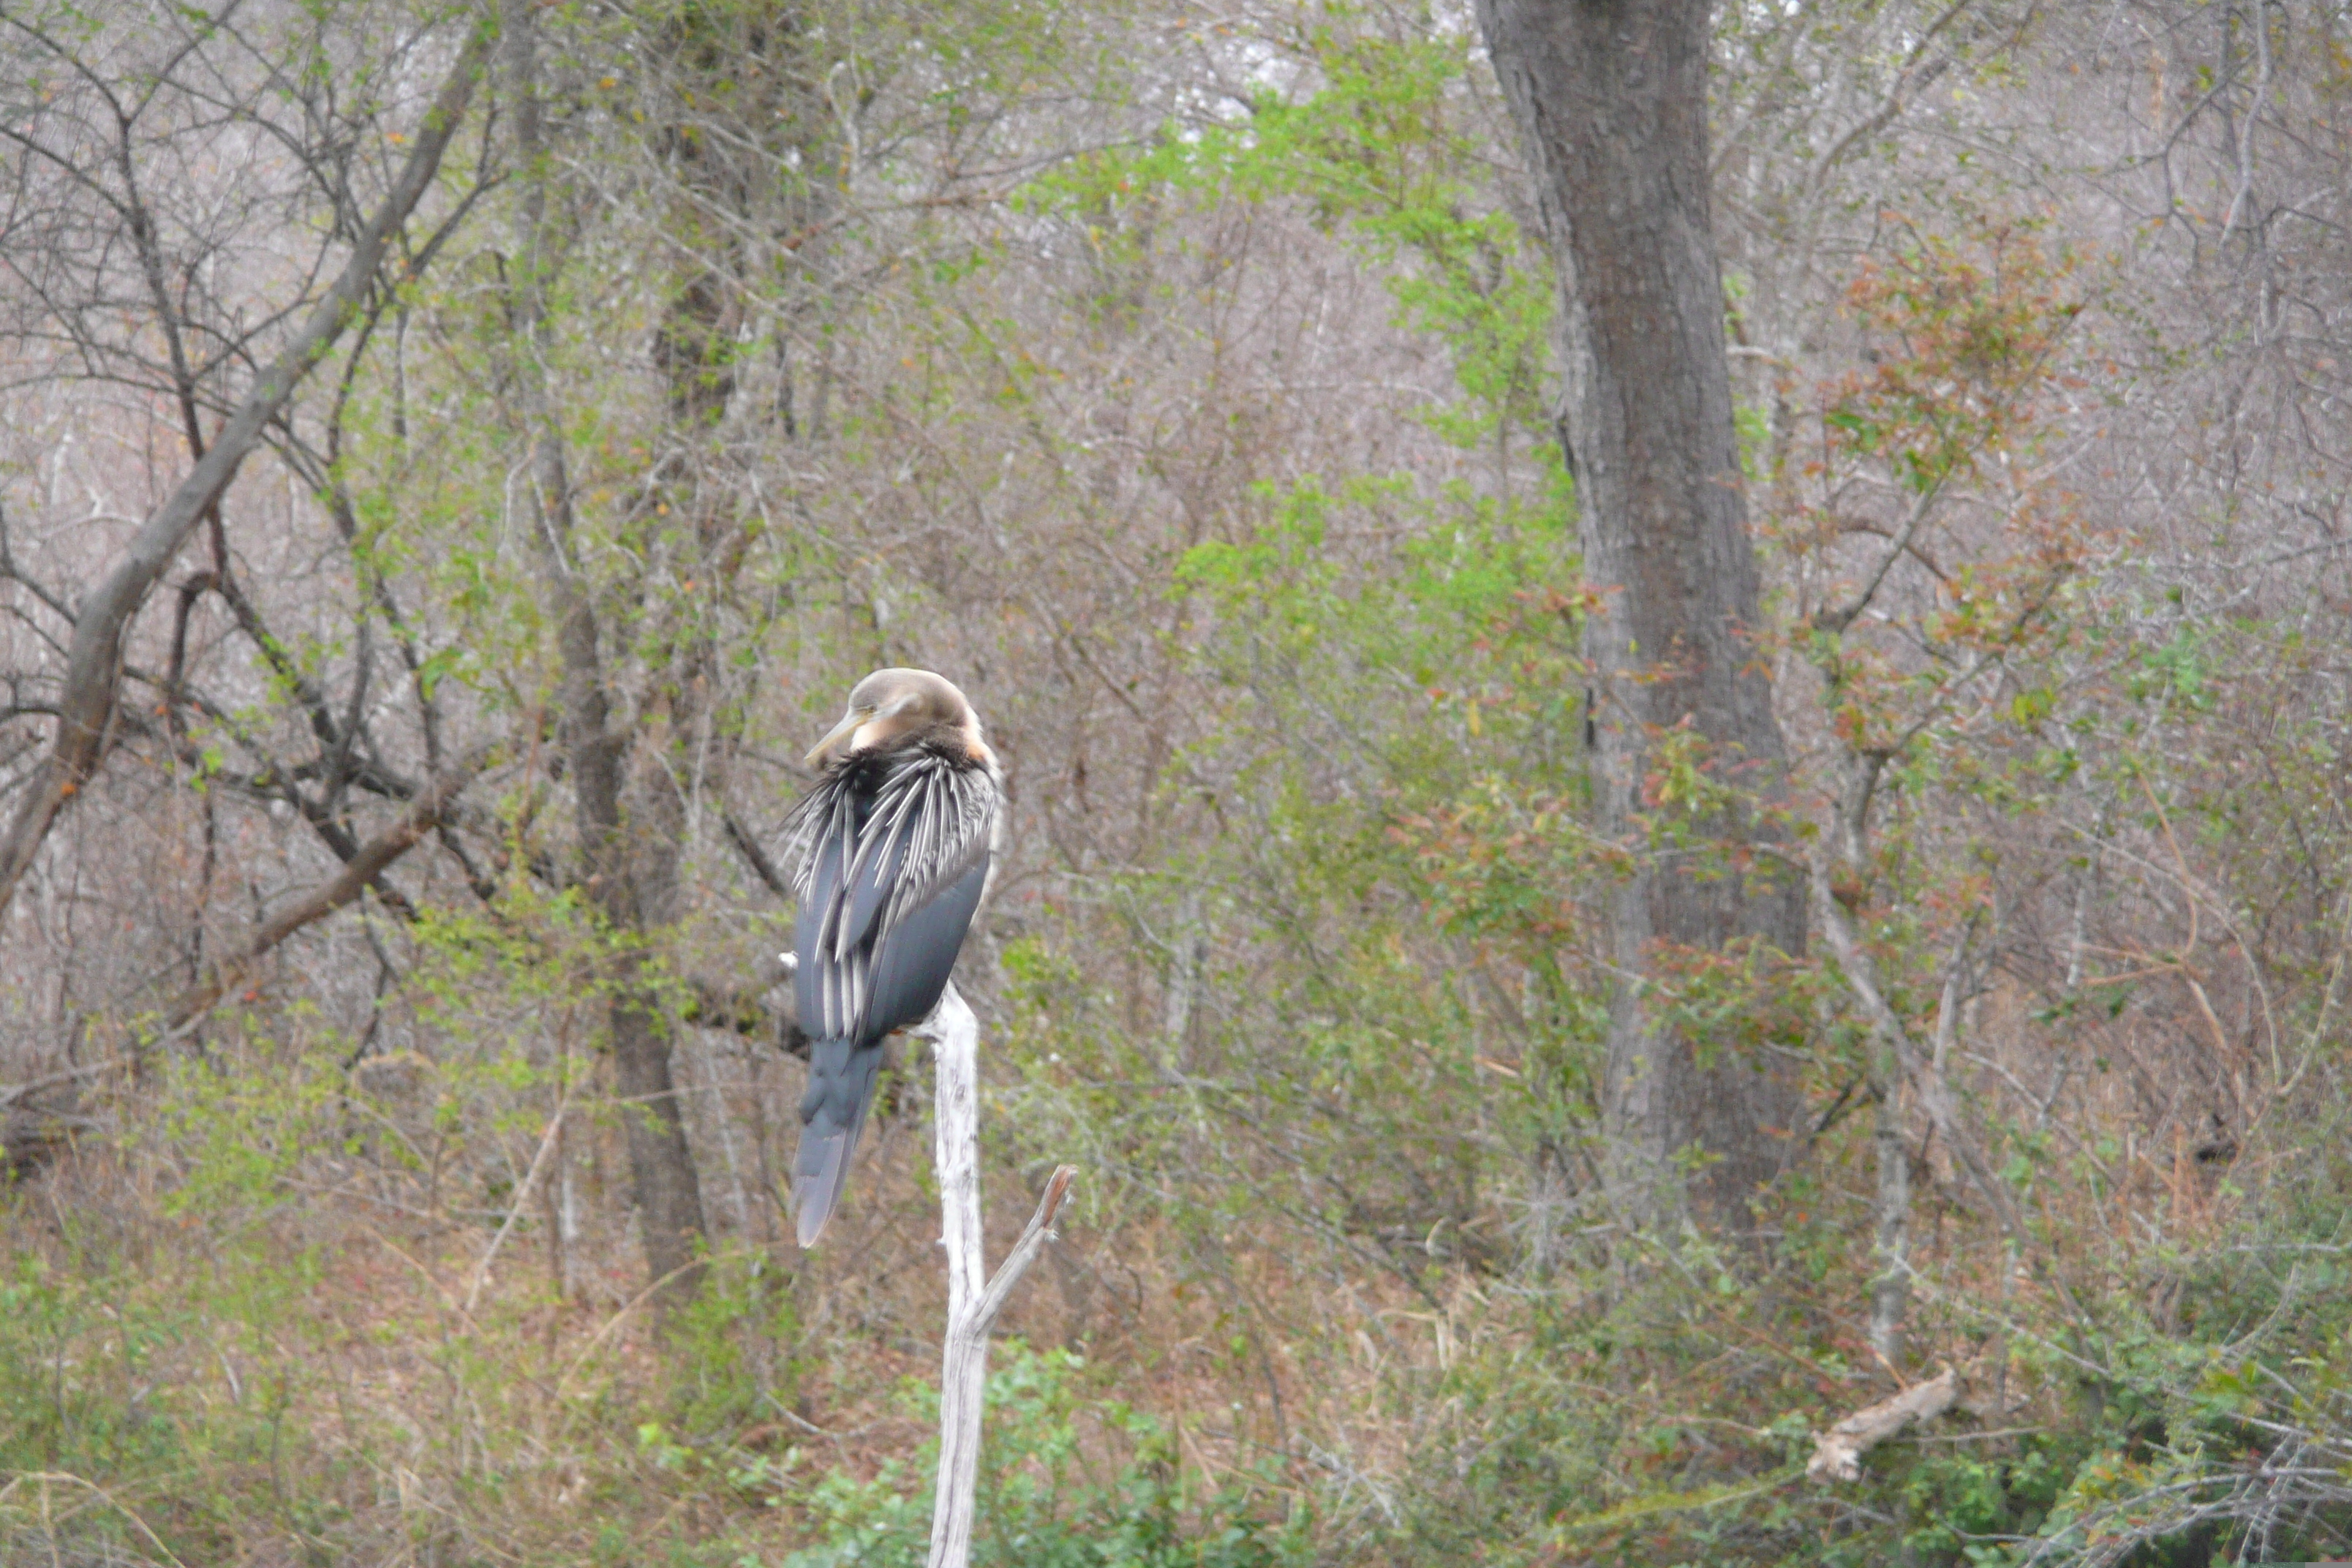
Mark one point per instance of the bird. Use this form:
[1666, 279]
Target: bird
[893, 842]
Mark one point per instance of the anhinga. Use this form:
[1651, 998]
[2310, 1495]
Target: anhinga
[894, 842]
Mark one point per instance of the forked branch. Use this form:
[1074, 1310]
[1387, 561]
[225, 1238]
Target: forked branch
[974, 1298]
[373, 859]
[94, 662]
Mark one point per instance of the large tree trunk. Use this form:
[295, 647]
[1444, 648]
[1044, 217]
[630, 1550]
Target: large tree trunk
[1610, 101]
[627, 836]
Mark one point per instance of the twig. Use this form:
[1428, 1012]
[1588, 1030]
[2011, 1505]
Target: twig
[10, 1093]
[597, 1339]
[374, 858]
[1838, 620]
[1863, 976]
[48, 1478]
[547, 1143]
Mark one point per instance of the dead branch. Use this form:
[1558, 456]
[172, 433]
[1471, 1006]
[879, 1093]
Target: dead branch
[1837, 1453]
[370, 862]
[93, 667]
[974, 1300]
[1863, 976]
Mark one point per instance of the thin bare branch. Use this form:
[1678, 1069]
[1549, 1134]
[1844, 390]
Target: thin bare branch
[93, 672]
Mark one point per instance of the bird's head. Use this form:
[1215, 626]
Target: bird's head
[892, 706]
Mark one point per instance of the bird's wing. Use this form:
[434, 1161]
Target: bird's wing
[929, 824]
[828, 991]
[914, 956]
[887, 893]
[828, 811]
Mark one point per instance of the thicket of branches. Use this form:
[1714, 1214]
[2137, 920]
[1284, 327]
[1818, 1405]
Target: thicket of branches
[454, 459]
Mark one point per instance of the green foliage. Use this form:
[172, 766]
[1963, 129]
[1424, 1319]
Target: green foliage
[1399, 746]
[1378, 148]
[1049, 1498]
[726, 1343]
[1324, 1026]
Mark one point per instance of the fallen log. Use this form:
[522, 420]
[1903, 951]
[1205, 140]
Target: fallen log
[1837, 1453]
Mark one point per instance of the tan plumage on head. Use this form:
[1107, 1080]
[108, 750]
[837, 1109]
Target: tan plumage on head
[898, 707]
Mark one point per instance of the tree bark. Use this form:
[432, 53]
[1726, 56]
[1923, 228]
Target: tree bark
[1890, 1290]
[626, 841]
[94, 661]
[974, 1297]
[1610, 101]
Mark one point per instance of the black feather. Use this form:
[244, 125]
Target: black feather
[841, 1088]
[894, 855]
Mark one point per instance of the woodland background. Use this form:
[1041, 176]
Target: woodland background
[396, 1099]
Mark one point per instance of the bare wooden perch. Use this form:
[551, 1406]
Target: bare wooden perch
[1837, 1453]
[973, 1298]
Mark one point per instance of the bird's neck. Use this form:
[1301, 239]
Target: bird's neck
[956, 744]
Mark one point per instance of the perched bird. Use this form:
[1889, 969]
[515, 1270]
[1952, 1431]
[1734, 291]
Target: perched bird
[893, 844]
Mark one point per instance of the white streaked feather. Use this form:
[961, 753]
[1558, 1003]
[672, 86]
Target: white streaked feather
[943, 813]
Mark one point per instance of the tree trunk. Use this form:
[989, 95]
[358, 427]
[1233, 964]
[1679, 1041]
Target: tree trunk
[1890, 1290]
[1610, 101]
[625, 836]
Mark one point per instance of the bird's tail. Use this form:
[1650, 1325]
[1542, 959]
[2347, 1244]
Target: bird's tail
[841, 1088]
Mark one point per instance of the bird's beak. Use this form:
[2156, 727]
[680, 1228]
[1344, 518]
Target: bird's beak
[838, 735]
